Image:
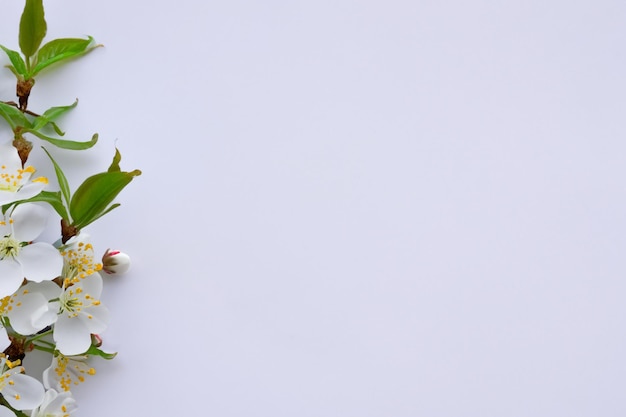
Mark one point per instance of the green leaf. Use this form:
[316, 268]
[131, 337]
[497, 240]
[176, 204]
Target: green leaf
[14, 71]
[32, 27]
[62, 49]
[19, 66]
[109, 209]
[51, 114]
[65, 144]
[63, 184]
[96, 351]
[92, 198]
[5, 208]
[13, 116]
[115, 165]
[51, 197]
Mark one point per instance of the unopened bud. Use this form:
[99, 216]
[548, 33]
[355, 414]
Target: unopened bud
[115, 262]
[96, 340]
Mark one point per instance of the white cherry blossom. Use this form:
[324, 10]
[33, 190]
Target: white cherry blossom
[66, 372]
[21, 258]
[55, 405]
[80, 313]
[15, 180]
[29, 309]
[22, 392]
[79, 259]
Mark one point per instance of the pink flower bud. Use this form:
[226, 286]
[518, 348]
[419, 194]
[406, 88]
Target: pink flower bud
[96, 340]
[115, 262]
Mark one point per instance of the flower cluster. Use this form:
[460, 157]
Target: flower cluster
[50, 289]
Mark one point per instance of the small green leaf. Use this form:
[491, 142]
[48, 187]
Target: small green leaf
[50, 115]
[97, 352]
[60, 50]
[5, 208]
[14, 71]
[65, 144]
[63, 184]
[13, 116]
[19, 66]
[93, 196]
[32, 27]
[115, 165]
[51, 197]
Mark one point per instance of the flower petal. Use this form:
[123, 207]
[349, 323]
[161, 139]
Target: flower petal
[96, 318]
[10, 157]
[29, 190]
[4, 339]
[5, 412]
[29, 313]
[40, 261]
[55, 404]
[71, 336]
[48, 289]
[25, 393]
[29, 220]
[92, 285]
[11, 276]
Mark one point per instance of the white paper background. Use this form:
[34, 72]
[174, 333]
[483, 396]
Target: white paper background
[355, 208]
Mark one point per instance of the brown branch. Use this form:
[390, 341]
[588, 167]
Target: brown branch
[14, 104]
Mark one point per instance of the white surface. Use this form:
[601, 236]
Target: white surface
[356, 208]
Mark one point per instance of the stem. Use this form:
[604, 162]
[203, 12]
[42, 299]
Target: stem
[39, 336]
[45, 342]
[43, 348]
[67, 231]
[14, 104]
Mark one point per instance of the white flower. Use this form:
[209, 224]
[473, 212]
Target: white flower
[55, 405]
[29, 309]
[22, 392]
[19, 258]
[79, 259]
[14, 180]
[80, 315]
[67, 371]
[115, 262]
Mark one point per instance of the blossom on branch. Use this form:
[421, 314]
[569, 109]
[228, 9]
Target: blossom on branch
[21, 258]
[15, 180]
